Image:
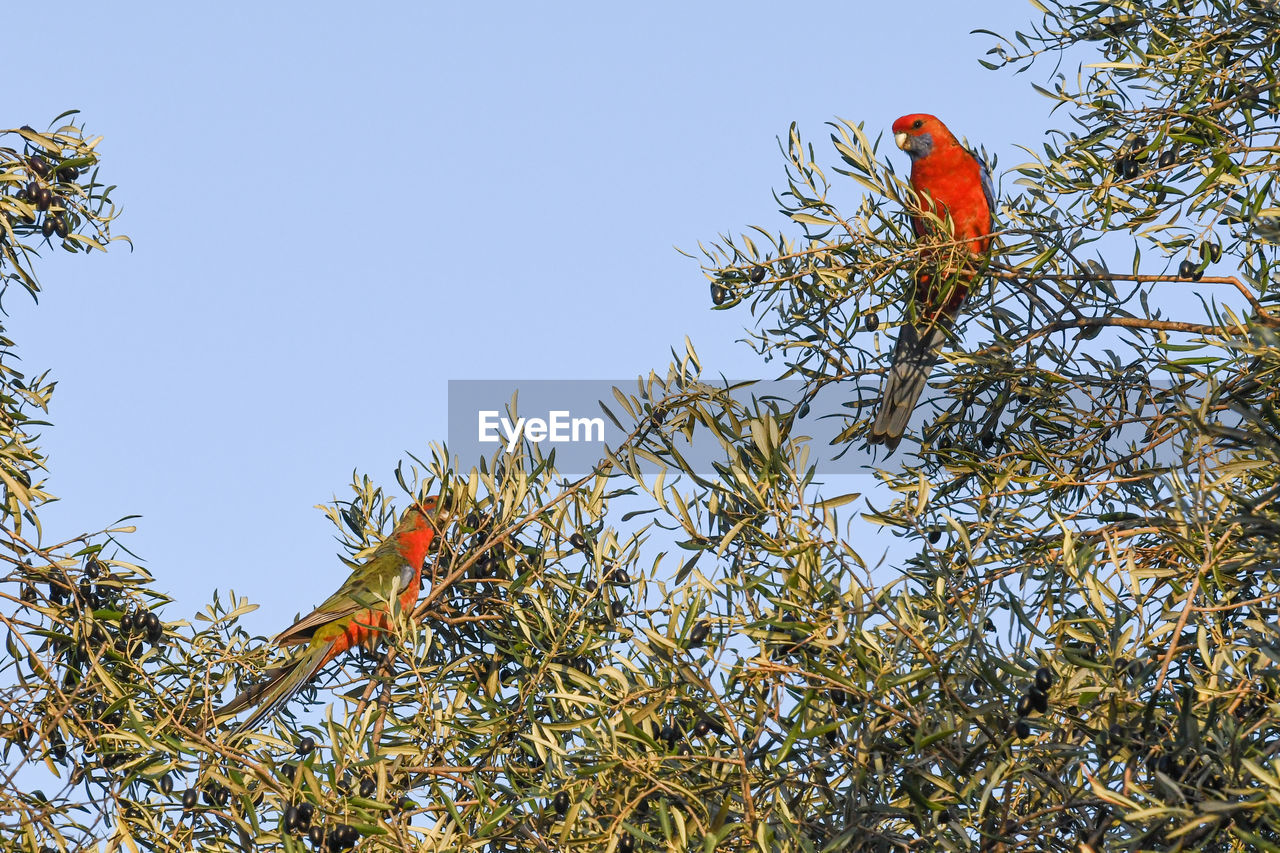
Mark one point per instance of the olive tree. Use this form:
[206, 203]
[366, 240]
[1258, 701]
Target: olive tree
[1074, 646]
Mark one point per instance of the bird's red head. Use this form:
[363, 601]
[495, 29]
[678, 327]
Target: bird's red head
[420, 516]
[416, 531]
[919, 134]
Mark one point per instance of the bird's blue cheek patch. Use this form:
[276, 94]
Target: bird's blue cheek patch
[920, 146]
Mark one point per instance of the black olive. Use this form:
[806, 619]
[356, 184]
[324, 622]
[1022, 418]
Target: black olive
[1198, 274]
[404, 804]
[189, 798]
[720, 294]
[702, 728]
[305, 812]
[934, 536]
[1122, 167]
[368, 787]
[1044, 678]
[837, 697]
[1215, 252]
[578, 541]
[1167, 159]
[306, 745]
[1186, 269]
[619, 576]
[47, 226]
[38, 165]
[617, 609]
[166, 784]
[626, 844]
[33, 190]
[290, 818]
[989, 626]
[342, 836]
[590, 586]
[68, 173]
[44, 199]
[700, 631]
[1024, 705]
[1022, 729]
[93, 569]
[873, 322]
[126, 622]
[60, 226]
[757, 275]
[1039, 700]
[316, 835]
[561, 803]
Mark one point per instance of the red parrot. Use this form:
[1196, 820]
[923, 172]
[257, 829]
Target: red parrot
[361, 610]
[950, 181]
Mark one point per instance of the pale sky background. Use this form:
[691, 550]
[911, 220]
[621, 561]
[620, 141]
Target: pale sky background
[334, 212]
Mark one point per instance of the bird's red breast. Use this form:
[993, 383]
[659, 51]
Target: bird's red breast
[950, 181]
[947, 177]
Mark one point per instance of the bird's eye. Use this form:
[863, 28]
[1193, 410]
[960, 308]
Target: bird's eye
[917, 124]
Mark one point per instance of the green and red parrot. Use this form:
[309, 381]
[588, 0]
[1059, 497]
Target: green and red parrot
[363, 609]
[951, 181]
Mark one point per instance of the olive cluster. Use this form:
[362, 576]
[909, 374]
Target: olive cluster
[611, 574]
[41, 192]
[1132, 159]
[1210, 253]
[1034, 701]
[723, 291]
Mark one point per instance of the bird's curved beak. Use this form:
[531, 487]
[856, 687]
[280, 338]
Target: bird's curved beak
[900, 140]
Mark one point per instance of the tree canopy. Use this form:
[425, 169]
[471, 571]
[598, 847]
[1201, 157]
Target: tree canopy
[1077, 649]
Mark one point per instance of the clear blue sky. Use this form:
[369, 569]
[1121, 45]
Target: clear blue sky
[336, 211]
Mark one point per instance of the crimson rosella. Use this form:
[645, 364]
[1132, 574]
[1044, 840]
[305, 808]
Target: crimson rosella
[951, 182]
[359, 612]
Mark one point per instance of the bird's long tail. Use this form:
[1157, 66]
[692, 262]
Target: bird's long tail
[914, 355]
[281, 684]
